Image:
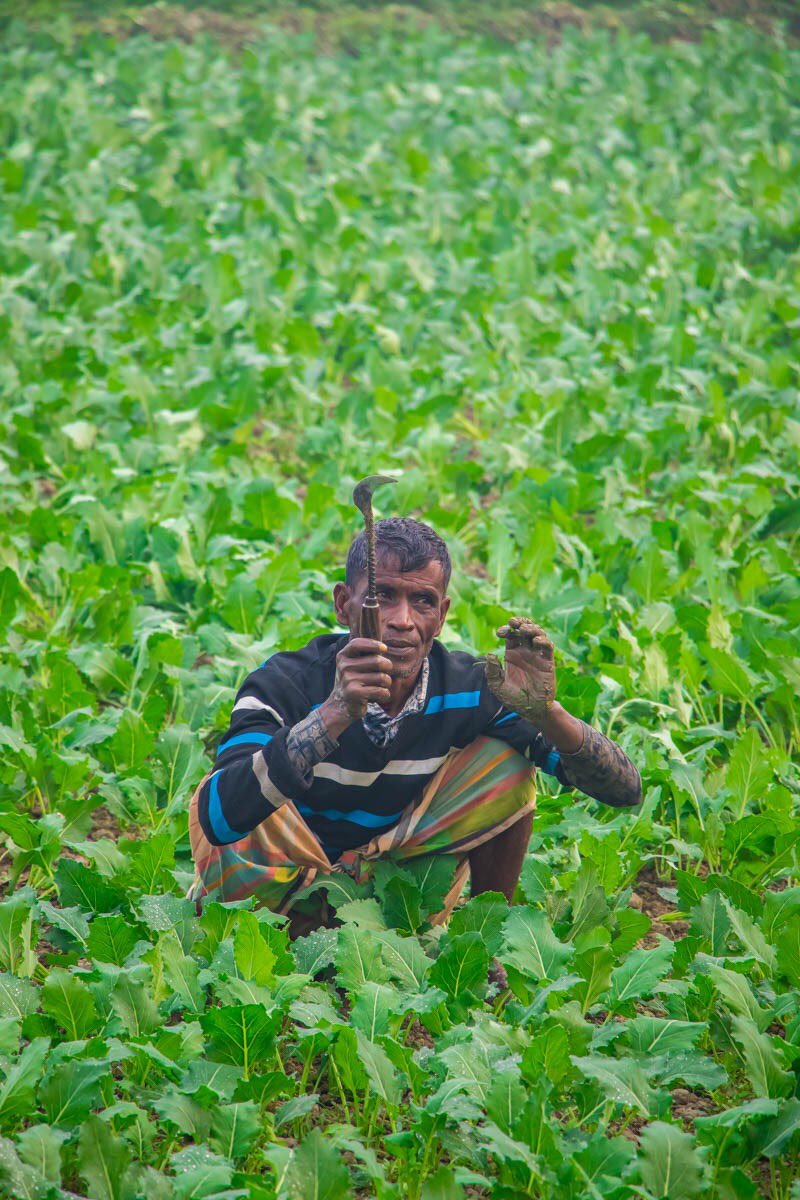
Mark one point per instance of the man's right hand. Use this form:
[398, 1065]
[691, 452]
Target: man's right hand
[363, 674]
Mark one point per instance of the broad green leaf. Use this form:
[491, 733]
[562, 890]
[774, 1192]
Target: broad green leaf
[670, 1165]
[83, 887]
[316, 951]
[750, 936]
[180, 972]
[358, 959]
[19, 1084]
[620, 1079]
[655, 1035]
[71, 1090]
[17, 917]
[749, 770]
[686, 1066]
[589, 905]
[764, 1065]
[132, 741]
[779, 1132]
[253, 957]
[380, 1071]
[40, 1147]
[103, 1160]
[548, 1053]
[17, 1179]
[69, 1002]
[530, 945]
[594, 967]
[462, 965]
[373, 1009]
[132, 1001]
[111, 939]
[199, 1172]
[10, 596]
[242, 1034]
[187, 1116]
[433, 875]
[710, 919]
[17, 996]
[72, 920]
[736, 994]
[234, 1129]
[315, 1171]
[505, 1100]
[403, 959]
[400, 897]
[442, 1185]
[483, 914]
[639, 974]
[728, 675]
[151, 864]
[181, 764]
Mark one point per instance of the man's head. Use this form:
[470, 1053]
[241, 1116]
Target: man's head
[413, 571]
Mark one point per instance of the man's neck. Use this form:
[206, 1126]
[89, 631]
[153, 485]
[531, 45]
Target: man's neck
[400, 691]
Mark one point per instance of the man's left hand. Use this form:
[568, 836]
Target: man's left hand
[526, 682]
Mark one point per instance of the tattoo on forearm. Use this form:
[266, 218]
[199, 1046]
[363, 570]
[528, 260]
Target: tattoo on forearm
[602, 770]
[309, 743]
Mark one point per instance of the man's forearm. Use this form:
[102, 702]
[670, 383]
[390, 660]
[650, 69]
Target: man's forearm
[314, 738]
[562, 730]
[599, 767]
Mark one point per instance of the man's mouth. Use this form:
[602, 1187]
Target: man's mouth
[399, 647]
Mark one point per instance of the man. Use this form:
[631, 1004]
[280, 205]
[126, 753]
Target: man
[350, 749]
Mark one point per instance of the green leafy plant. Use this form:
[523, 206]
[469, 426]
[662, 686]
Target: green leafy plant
[554, 290]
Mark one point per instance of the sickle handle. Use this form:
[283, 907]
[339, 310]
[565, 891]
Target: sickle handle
[369, 622]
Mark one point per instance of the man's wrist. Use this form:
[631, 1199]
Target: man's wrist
[562, 730]
[336, 717]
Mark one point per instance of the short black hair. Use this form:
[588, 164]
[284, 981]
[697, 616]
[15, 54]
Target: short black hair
[411, 542]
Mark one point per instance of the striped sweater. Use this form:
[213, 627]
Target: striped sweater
[361, 789]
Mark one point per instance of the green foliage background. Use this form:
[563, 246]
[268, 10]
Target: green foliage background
[558, 290]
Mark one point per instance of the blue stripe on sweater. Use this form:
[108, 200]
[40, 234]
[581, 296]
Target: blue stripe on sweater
[551, 762]
[358, 816]
[438, 704]
[508, 717]
[222, 830]
[243, 739]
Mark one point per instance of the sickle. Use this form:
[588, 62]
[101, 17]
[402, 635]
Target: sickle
[370, 624]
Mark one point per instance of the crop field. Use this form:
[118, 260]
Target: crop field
[556, 289]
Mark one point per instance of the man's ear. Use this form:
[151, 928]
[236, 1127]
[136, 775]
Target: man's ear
[341, 599]
[443, 611]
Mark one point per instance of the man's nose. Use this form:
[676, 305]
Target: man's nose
[399, 615]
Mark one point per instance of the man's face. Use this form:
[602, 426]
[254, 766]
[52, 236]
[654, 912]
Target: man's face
[413, 610]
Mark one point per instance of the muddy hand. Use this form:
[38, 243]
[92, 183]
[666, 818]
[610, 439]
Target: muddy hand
[526, 682]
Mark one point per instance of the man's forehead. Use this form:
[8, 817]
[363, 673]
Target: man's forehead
[388, 569]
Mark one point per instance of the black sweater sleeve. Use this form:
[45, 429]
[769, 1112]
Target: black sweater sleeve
[600, 768]
[253, 775]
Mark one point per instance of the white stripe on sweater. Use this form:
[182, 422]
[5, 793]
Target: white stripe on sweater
[400, 766]
[254, 702]
[268, 790]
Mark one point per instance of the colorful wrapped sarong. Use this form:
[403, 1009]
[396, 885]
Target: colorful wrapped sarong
[477, 793]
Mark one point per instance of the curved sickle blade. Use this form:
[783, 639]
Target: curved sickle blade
[362, 492]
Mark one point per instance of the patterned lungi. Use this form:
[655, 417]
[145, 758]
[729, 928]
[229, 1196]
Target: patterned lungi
[477, 793]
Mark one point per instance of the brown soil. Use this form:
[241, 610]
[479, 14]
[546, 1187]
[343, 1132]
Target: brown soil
[419, 1036]
[646, 898]
[349, 28]
[629, 1128]
[105, 825]
[687, 1106]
